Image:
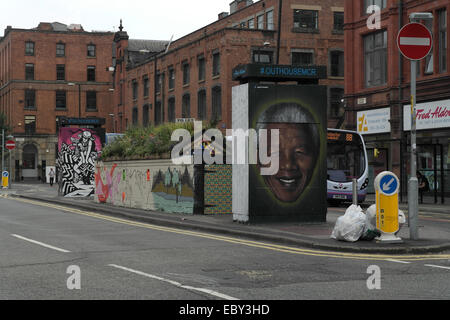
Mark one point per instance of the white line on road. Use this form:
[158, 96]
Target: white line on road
[398, 261]
[40, 243]
[435, 266]
[177, 284]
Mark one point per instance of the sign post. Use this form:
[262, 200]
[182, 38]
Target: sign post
[387, 186]
[414, 41]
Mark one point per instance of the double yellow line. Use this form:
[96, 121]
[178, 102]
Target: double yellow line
[256, 244]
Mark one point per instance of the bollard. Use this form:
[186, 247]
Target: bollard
[355, 191]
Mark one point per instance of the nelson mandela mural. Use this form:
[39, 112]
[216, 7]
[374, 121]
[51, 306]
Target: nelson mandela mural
[78, 151]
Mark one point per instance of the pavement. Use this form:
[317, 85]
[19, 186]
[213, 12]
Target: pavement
[434, 224]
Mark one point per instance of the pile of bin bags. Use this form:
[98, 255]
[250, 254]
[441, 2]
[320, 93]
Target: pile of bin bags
[356, 225]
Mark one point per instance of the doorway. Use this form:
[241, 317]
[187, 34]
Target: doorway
[29, 162]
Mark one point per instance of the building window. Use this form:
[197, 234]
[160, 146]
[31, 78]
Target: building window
[30, 99]
[134, 118]
[262, 56]
[375, 59]
[336, 96]
[29, 71]
[171, 78]
[146, 86]
[216, 112]
[380, 3]
[158, 113]
[186, 73]
[145, 115]
[30, 125]
[29, 48]
[429, 59]
[91, 100]
[337, 63]
[135, 89]
[60, 49]
[171, 110]
[60, 72]
[216, 64]
[251, 23]
[201, 68]
[60, 99]
[120, 93]
[91, 50]
[29, 156]
[269, 21]
[307, 20]
[338, 21]
[442, 34]
[186, 106]
[158, 83]
[91, 73]
[260, 22]
[304, 58]
[201, 108]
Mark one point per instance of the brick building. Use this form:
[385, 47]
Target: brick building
[160, 81]
[46, 73]
[377, 90]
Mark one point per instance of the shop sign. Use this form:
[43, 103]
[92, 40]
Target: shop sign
[430, 115]
[374, 121]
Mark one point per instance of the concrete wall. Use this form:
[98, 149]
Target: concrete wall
[147, 184]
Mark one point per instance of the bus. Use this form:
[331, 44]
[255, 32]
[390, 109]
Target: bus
[346, 160]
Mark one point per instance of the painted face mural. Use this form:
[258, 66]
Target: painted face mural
[297, 190]
[79, 150]
[297, 158]
[298, 147]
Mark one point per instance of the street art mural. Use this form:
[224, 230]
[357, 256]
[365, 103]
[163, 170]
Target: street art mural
[149, 184]
[297, 192]
[78, 151]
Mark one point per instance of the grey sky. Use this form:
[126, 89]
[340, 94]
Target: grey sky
[142, 19]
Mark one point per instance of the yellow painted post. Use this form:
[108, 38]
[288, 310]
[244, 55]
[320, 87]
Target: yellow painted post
[387, 186]
[5, 179]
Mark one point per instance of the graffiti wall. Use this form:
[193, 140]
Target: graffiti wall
[148, 184]
[78, 151]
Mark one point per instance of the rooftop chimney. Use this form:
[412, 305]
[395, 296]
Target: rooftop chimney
[223, 15]
[239, 4]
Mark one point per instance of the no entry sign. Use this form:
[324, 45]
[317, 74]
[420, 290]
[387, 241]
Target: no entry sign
[10, 144]
[414, 41]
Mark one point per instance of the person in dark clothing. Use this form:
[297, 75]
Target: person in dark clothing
[424, 186]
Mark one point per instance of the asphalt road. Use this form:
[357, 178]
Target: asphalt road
[48, 252]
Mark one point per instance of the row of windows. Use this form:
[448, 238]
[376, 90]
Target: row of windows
[60, 72]
[216, 108]
[308, 20]
[376, 56]
[60, 49]
[186, 73]
[60, 100]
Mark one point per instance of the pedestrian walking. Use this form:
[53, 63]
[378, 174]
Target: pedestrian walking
[51, 174]
[424, 185]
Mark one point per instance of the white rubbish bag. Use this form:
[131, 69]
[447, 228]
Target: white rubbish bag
[350, 226]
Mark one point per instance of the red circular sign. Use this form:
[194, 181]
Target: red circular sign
[414, 41]
[10, 144]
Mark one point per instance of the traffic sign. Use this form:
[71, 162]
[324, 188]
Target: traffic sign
[5, 179]
[5, 174]
[414, 41]
[387, 186]
[10, 145]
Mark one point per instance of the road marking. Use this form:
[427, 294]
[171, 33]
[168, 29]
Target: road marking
[398, 261]
[269, 246]
[175, 283]
[435, 266]
[40, 243]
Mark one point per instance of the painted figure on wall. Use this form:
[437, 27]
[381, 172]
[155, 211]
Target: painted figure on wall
[299, 143]
[78, 151]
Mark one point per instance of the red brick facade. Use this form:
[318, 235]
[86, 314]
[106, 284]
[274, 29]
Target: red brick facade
[234, 40]
[392, 89]
[38, 47]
